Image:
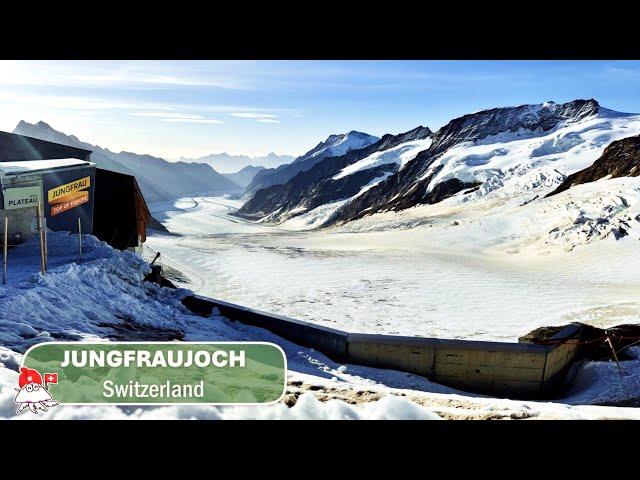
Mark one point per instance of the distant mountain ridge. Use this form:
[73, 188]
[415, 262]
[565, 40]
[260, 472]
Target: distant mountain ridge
[227, 163]
[334, 145]
[159, 179]
[244, 176]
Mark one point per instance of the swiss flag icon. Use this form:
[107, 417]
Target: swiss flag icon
[51, 378]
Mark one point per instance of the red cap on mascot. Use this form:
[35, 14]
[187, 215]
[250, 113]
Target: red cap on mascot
[28, 375]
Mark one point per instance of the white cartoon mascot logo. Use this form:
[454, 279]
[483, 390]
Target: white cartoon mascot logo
[33, 392]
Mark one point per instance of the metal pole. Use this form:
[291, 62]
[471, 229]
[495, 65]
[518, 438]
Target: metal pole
[42, 265]
[613, 351]
[4, 260]
[46, 244]
[79, 236]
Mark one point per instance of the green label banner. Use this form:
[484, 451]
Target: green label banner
[157, 372]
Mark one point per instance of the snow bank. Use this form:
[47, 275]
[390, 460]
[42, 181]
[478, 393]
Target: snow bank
[307, 407]
[401, 155]
[85, 298]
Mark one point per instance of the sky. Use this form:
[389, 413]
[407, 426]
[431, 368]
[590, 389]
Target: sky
[178, 109]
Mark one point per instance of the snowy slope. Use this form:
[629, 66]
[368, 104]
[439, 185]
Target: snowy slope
[401, 155]
[512, 174]
[516, 165]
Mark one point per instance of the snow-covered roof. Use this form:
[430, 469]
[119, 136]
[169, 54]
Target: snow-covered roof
[30, 166]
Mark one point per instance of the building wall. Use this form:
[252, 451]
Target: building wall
[120, 213]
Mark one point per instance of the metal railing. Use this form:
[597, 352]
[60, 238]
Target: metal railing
[39, 240]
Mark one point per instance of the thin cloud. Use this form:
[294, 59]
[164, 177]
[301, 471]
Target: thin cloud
[176, 117]
[253, 115]
[192, 120]
[115, 74]
[267, 120]
[173, 115]
[136, 108]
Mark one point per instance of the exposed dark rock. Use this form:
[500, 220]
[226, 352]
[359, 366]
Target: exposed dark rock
[447, 189]
[619, 232]
[592, 341]
[620, 159]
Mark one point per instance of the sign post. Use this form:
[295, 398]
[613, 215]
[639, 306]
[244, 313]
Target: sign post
[4, 259]
[79, 236]
[46, 245]
[42, 260]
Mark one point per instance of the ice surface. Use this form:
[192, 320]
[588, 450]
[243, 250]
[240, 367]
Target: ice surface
[495, 275]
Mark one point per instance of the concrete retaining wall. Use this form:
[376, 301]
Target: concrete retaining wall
[409, 354]
[516, 370]
[329, 341]
[560, 357]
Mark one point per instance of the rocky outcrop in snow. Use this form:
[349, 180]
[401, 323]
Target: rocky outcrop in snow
[620, 159]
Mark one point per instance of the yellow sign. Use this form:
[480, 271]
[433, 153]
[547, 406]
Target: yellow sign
[67, 191]
[71, 201]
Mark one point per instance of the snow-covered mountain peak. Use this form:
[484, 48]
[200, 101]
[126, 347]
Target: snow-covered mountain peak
[339, 144]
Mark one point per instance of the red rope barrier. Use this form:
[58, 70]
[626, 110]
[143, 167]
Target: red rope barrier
[575, 341]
